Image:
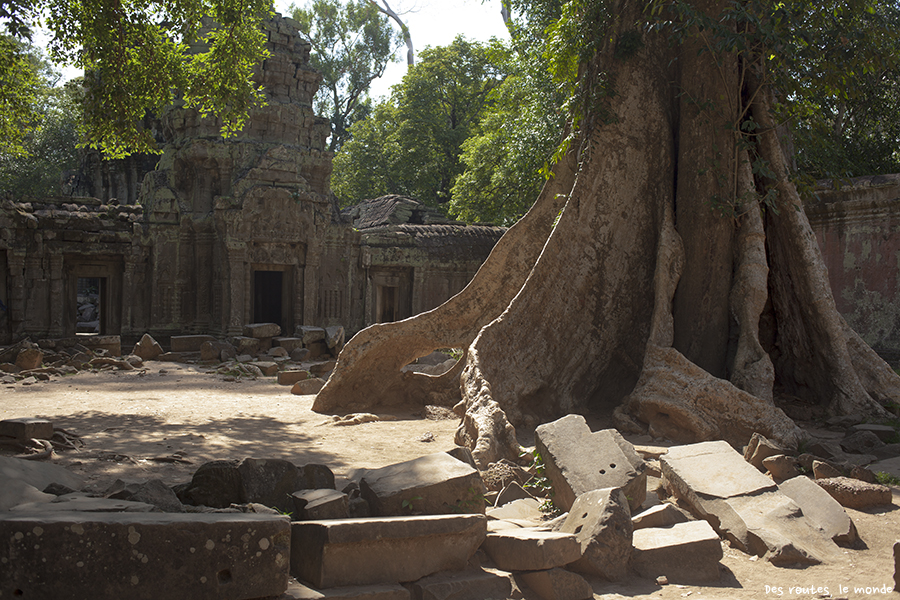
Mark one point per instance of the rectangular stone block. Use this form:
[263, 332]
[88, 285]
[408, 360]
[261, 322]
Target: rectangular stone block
[144, 556]
[262, 330]
[291, 377]
[685, 552]
[27, 428]
[188, 343]
[579, 461]
[288, 343]
[470, 584]
[431, 484]
[346, 552]
[245, 345]
[531, 549]
[298, 591]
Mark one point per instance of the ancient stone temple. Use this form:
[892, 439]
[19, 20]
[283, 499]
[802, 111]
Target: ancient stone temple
[222, 233]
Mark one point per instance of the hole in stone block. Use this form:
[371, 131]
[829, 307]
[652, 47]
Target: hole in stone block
[612, 465]
[578, 529]
[224, 576]
[18, 593]
[603, 471]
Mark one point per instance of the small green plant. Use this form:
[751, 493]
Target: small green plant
[540, 485]
[475, 502]
[408, 503]
[887, 478]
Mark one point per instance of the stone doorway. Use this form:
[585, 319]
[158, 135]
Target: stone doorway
[90, 305]
[272, 297]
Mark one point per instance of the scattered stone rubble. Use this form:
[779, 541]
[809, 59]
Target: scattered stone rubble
[424, 528]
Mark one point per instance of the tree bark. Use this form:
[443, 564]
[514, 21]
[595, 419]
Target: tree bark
[642, 301]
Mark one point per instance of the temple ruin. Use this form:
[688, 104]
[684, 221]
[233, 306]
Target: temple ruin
[216, 234]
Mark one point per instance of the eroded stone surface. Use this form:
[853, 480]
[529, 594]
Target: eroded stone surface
[144, 556]
[821, 509]
[348, 552]
[558, 584]
[684, 553]
[531, 549]
[601, 522]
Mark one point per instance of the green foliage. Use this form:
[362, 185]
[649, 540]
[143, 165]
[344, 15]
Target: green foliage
[887, 478]
[412, 144]
[136, 55]
[541, 486]
[31, 165]
[351, 46]
[407, 504]
[20, 87]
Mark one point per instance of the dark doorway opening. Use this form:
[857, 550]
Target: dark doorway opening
[268, 289]
[90, 306]
[386, 304]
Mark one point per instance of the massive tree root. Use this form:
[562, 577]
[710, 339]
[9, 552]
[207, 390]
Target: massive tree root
[641, 300]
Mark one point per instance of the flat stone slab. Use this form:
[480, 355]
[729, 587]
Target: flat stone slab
[821, 509]
[261, 330]
[743, 505]
[188, 343]
[578, 461]
[315, 505]
[37, 474]
[715, 470]
[349, 552]
[85, 504]
[471, 584]
[142, 556]
[661, 515]
[684, 553]
[601, 522]
[15, 492]
[431, 484]
[853, 493]
[891, 466]
[523, 509]
[26, 428]
[298, 591]
[531, 549]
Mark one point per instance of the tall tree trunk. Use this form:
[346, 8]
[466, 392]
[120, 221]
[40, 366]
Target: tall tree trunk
[642, 300]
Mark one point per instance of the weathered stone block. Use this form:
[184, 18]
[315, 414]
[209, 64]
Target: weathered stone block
[144, 556]
[743, 505]
[291, 377]
[854, 493]
[471, 584]
[15, 492]
[821, 509]
[382, 550]
[78, 502]
[288, 343]
[558, 584]
[268, 368]
[432, 484]
[27, 428]
[316, 505]
[153, 492]
[523, 509]
[531, 549]
[245, 345]
[214, 350]
[29, 358]
[334, 338]
[600, 520]
[684, 553]
[885, 433]
[760, 448]
[661, 515]
[37, 474]
[308, 386]
[578, 461]
[262, 330]
[188, 343]
[309, 334]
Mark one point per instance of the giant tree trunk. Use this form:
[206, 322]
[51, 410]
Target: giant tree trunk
[641, 299]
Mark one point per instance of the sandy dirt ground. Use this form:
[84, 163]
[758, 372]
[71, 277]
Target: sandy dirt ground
[133, 424]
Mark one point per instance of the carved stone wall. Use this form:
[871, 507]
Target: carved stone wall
[858, 229]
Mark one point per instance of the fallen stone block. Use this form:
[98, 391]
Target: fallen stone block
[853, 493]
[885, 433]
[743, 505]
[760, 448]
[308, 386]
[29, 358]
[298, 591]
[557, 584]
[334, 338]
[291, 377]
[578, 461]
[213, 351]
[471, 584]
[821, 509]
[432, 484]
[221, 483]
[268, 368]
[288, 343]
[37, 474]
[147, 348]
[316, 505]
[861, 442]
[144, 556]
[153, 492]
[188, 343]
[261, 330]
[511, 492]
[309, 334]
[824, 470]
[523, 509]
[245, 345]
[24, 429]
[661, 515]
[531, 549]
[891, 466]
[600, 520]
[781, 467]
[347, 552]
[683, 553]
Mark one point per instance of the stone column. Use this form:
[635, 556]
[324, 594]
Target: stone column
[58, 304]
[16, 263]
[237, 282]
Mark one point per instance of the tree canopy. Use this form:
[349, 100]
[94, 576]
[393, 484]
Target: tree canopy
[351, 46]
[143, 56]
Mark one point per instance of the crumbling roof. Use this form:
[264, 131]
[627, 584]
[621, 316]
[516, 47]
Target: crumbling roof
[449, 242]
[393, 210]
